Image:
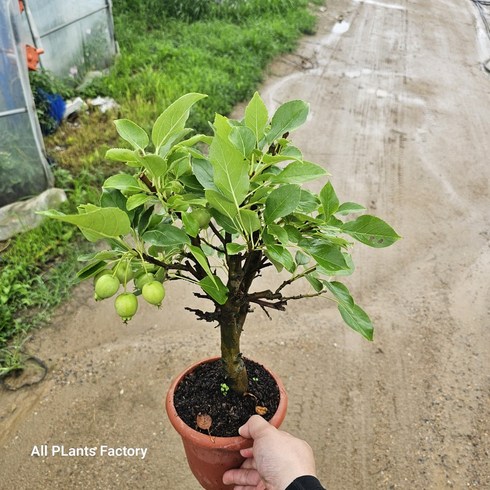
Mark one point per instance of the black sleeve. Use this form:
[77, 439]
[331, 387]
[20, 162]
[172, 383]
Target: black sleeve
[305, 483]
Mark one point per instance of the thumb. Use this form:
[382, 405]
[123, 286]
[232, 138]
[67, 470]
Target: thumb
[255, 427]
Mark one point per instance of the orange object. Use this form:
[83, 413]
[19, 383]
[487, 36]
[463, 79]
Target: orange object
[21, 6]
[32, 55]
[208, 456]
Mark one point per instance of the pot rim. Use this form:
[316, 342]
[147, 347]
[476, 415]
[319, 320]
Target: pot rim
[204, 440]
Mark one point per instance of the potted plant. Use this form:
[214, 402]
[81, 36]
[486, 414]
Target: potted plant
[216, 211]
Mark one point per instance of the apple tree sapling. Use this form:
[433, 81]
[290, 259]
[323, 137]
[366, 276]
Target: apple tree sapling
[217, 210]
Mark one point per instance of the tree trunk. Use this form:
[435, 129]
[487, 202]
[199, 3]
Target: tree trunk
[232, 317]
[231, 326]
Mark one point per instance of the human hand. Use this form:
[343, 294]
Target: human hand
[275, 460]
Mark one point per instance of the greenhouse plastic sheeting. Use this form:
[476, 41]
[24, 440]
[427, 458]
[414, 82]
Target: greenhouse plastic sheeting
[77, 36]
[24, 171]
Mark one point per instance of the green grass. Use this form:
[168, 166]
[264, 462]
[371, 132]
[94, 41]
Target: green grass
[37, 269]
[167, 49]
[217, 57]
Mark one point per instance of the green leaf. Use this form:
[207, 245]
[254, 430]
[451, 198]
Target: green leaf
[371, 231]
[183, 201]
[329, 200]
[256, 116]
[230, 170]
[301, 258]
[249, 221]
[173, 140]
[113, 198]
[341, 292]
[173, 119]
[269, 239]
[197, 138]
[160, 274]
[91, 270]
[315, 283]
[166, 236]
[122, 182]
[119, 246]
[329, 257]
[243, 139]
[279, 232]
[156, 165]
[215, 288]
[357, 319]
[308, 202]
[97, 224]
[273, 159]
[86, 208]
[335, 222]
[144, 220]
[299, 172]
[300, 219]
[201, 258]
[132, 133]
[191, 184]
[259, 194]
[222, 126]
[224, 221]
[190, 223]
[350, 207]
[292, 152]
[177, 203]
[347, 271]
[293, 233]
[281, 202]
[234, 248]
[137, 200]
[288, 117]
[223, 205]
[101, 255]
[123, 155]
[181, 167]
[266, 176]
[203, 170]
[155, 220]
[279, 255]
[352, 313]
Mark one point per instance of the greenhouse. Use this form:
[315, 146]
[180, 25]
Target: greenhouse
[69, 39]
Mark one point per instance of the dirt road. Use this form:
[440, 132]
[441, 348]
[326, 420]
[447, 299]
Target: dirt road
[401, 118]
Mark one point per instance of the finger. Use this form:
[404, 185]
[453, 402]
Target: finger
[248, 463]
[245, 477]
[254, 427]
[260, 486]
[247, 453]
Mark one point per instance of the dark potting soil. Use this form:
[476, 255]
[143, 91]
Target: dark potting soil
[201, 393]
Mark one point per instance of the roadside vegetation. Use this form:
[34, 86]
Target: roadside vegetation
[166, 50]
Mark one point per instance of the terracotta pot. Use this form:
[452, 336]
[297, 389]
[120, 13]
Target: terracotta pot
[209, 457]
